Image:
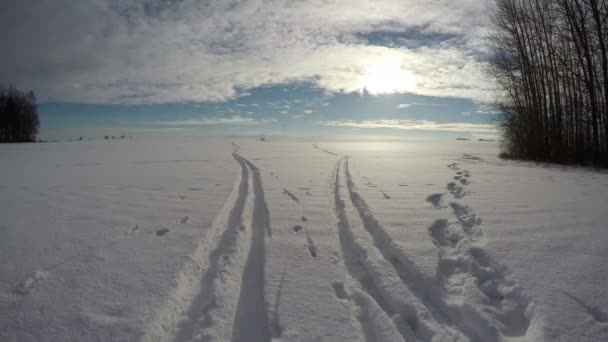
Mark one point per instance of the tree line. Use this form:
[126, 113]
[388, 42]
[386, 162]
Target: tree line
[18, 116]
[550, 60]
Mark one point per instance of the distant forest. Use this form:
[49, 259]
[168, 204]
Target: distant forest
[18, 116]
[551, 64]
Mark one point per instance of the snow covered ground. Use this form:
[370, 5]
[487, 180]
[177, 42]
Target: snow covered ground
[219, 239]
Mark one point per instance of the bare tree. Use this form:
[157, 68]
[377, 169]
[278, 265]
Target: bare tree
[18, 116]
[551, 65]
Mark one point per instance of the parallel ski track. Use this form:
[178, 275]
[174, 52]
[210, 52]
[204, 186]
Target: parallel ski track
[251, 318]
[227, 302]
[418, 306]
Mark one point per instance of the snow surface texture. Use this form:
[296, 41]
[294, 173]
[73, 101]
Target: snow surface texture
[221, 239]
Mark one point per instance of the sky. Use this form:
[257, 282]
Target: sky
[310, 67]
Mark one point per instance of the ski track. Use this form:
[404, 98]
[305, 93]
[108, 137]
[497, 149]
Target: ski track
[470, 298]
[229, 266]
[374, 314]
[251, 318]
[414, 294]
[326, 151]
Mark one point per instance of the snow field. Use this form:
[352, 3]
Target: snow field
[222, 239]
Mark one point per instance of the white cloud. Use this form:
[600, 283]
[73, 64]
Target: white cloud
[480, 112]
[236, 120]
[423, 125]
[146, 51]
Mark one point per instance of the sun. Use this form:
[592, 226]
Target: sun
[384, 76]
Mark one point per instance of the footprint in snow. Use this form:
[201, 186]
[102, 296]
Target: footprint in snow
[335, 257]
[297, 228]
[339, 290]
[182, 220]
[456, 190]
[311, 246]
[132, 230]
[385, 195]
[162, 231]
[435, 200]
[24, 287]
[466, 216]
[442, 236]
[291, 195]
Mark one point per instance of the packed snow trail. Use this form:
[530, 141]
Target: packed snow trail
[471, 296]
[229, 304]
[378, 278]
[251, 319]
[375, 321]
[188, 309]
[214, 302]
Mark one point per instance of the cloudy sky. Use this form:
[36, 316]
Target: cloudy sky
[400, 67]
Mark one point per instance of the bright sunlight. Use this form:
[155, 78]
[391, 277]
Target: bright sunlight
[385, 76]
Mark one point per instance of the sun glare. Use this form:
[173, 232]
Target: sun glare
[385, 76]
